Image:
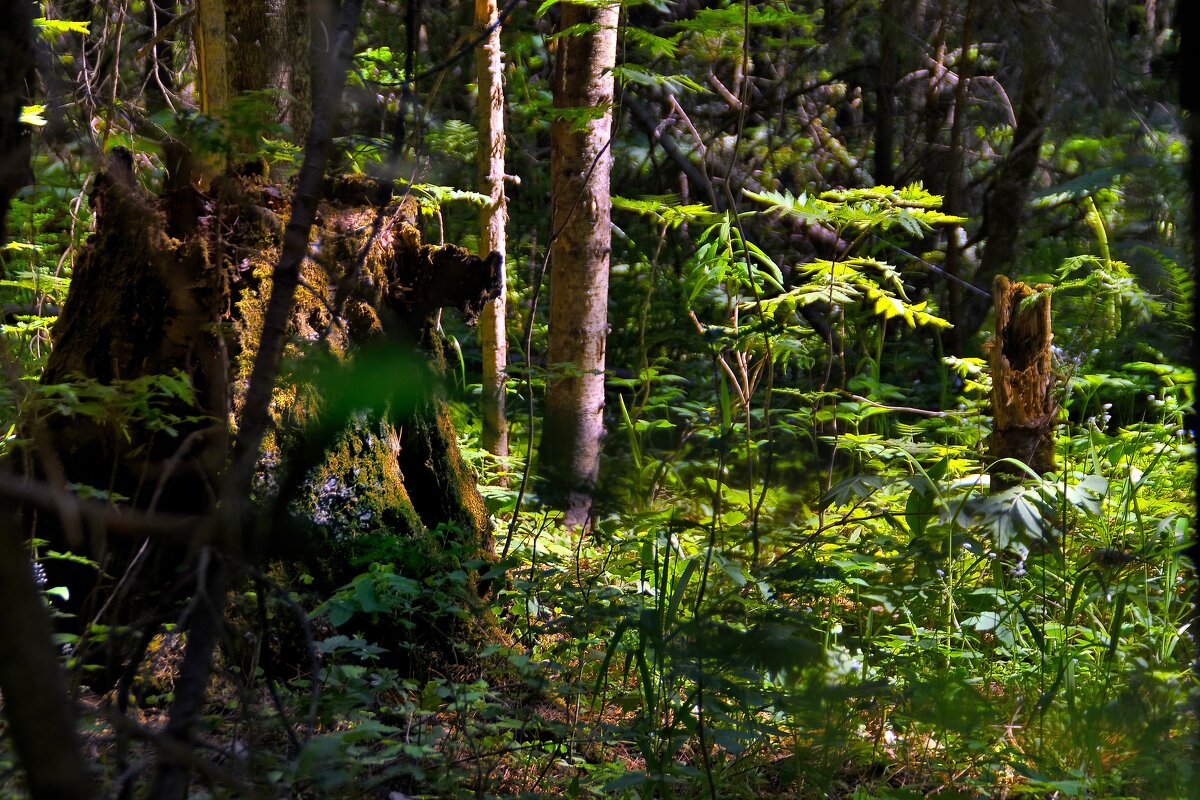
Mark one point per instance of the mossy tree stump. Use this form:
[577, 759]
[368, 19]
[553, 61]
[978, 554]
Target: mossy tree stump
[178, 284]
[1024, 407]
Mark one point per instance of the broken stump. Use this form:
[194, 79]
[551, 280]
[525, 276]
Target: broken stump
[1024, 408]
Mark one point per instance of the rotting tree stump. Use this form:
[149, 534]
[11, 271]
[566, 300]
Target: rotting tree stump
[178, 284]
[1024, 408]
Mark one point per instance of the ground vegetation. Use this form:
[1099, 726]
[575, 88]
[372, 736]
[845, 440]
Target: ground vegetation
[874, 477]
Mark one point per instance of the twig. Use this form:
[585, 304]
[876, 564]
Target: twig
[164, 32]
[905, 409]
[176, 528]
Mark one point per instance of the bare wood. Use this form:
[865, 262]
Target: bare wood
[901, 409]
[1024, 408]
[492, 220]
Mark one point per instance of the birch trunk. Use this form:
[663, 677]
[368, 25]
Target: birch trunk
[580, 164]
[492, 219]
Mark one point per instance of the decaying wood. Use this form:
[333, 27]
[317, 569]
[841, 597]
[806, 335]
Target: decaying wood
[1024, 407]
[231, 516]
[170, 284]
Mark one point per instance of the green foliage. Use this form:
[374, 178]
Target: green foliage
[151, 403]
[800, 583]
[52, 28]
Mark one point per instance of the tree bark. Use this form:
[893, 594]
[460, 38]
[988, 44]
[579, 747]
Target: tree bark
[154, 293]
[1024, 409]
[271, 50]
[580, 165]
[885, 93]
[173, 777]
[1188, 20]
[492, 219]
[40, 714]
[16, 87]
[954, 179]
[1005, 205]
[212, 53]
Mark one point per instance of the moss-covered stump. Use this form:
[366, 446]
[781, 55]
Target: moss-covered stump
[1024, 409]
[177, 286]
[135, 393]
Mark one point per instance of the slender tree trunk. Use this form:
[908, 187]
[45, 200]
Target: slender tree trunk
[580, 165]
[16, 87]
[212, 53]
[41, 717]
[492, 219]
[954, 179]
[1005, 206]
[1188, 20]
[885, 93]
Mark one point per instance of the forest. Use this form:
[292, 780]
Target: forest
[598, 399]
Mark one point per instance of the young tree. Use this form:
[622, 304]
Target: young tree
[492, 219]
[1005, 207]
[580, 165]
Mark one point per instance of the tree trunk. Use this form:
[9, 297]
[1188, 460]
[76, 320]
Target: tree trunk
[144, 303]
[1188, 20]
[270, 49]
[40, 714]
[890, 31]
[212, 55]
[176, 286]
[1005, 205]
[580, 165]
[954, 179]
[16, 87]
[492, 219]
[1024, 409]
